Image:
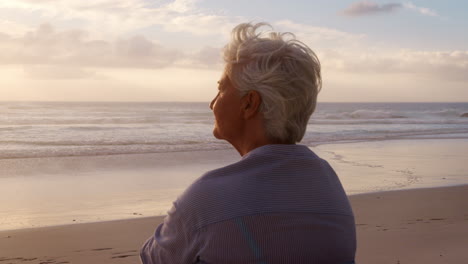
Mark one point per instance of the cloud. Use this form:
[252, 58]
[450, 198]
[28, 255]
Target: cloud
[440, 65]
[48, 53]
[318, 37]
[364, 8]
[377, 59]
[422, 10]
[182, 6]
[106, 17]
[46, 46]
[209, 56]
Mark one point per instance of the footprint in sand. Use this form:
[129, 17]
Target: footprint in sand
[9, 259]
[125, 256]
[100, 249]
[124, 252]
[28, 259]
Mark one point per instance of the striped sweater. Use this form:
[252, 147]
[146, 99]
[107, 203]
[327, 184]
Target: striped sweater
[278, 204]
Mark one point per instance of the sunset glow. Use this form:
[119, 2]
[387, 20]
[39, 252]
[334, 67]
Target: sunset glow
[142, 50]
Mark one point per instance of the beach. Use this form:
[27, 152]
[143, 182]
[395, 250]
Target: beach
[89, 183]
[407, 209]
[38, 192]
[421, 226]
[116, 114]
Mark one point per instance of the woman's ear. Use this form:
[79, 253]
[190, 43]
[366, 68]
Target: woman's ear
[251, 104]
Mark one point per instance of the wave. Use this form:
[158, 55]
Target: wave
[98, 121]
[105, 150]
[363, 114]
[79, 121]
[322, 138]
[24, 128]
[72, 143]
[27, 149]
[445, 113]
[401, 121]
[51, 130]
[111, 120]
[368, 114]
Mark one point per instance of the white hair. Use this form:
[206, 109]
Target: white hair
[284, 71]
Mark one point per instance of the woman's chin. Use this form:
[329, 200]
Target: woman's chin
[216, 133]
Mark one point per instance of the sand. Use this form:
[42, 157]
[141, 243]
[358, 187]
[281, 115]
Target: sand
[104, 242]
[53, 191]
[413, 226]
[408, 227]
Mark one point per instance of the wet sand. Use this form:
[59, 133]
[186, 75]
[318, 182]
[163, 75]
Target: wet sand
[53, 191]
[420, 226]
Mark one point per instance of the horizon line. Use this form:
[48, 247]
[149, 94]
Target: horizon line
[92, 101]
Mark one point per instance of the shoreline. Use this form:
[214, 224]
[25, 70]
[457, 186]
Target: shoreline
[44, 192]
[230, 148]
[411, 226]
[142, 218]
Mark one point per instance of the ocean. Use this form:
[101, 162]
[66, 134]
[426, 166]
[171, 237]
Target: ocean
[61, 129]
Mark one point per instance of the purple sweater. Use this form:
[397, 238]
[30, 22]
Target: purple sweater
[278, 204]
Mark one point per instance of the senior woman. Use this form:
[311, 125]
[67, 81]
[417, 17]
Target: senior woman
[280, 203]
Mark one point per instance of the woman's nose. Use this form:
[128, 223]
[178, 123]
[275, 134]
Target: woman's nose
[213, 101]
[211, 104]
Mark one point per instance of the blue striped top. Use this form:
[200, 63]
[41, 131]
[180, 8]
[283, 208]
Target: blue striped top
[278, 204]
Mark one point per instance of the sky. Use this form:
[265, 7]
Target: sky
[162, 50]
